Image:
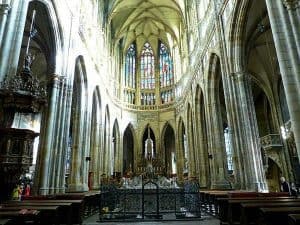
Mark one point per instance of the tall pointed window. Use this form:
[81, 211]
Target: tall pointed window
[130, 67]
[130, 75]
[165, 67]
[147, 68]
[166, 74]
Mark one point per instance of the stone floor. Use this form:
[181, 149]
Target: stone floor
[205, 220]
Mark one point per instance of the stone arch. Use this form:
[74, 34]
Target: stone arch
[168, 149]
[46, 45]
[236, 36]
[129, 140]
[144, 138]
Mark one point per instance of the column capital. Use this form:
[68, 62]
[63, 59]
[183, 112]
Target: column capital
[239, 75]
[291, 4]
[55, 79]
[4, 8]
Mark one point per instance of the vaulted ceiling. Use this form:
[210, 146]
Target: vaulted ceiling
[147, 20]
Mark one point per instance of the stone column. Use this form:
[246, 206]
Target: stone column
[255, 179]
[4, 9]
[60, 139]
[191, 144]
[289, 64]
[216, 142]
[78, 165]
[12, 40]
[179, 155]
[45, 159]
[95, 151]
[293, 8]
[235, 127]
[202, 153]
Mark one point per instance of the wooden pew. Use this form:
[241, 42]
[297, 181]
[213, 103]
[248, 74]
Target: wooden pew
[90, 200]
[235, 208]
[250, 211]
[64, 212]
[48, 214]
[19, 217]
[232, 204]
[89, 205]
[208, 198]
[276, 216]
[294, 219]
[76, 205]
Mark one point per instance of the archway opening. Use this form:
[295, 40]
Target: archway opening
[128, 151]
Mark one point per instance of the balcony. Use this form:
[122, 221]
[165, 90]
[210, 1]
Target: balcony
[271, 141]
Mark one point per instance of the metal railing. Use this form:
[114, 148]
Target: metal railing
[118, 204]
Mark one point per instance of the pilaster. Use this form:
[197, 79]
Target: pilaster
[216, 145]
[4, 10]
[252, 154]
[45, 158]
[12, 40]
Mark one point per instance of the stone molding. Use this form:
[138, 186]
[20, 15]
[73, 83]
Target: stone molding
[4, 8]
[291, 4]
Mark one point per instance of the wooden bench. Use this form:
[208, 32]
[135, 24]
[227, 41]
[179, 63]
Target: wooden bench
[19, 217]
[294, 219]
[276, 216]
[208, 198]
[89, 204]
[64, 213]
[230, 208]
[48, 214]
[76, 205]
[250, 211]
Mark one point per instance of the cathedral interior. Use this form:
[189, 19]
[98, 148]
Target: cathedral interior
[204, 89]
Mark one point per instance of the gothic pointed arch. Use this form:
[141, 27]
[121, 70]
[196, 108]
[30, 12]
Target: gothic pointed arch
[166, 74]
[128, 149]
[43, 58]
[168, 149]
[148, 143]
[130, 72]
[46, 42]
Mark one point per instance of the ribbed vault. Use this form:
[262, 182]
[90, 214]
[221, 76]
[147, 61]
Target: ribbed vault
[146, 20]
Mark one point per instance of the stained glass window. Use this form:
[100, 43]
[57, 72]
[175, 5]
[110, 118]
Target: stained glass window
[165, 67]
[130, 67]
[147, 68]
